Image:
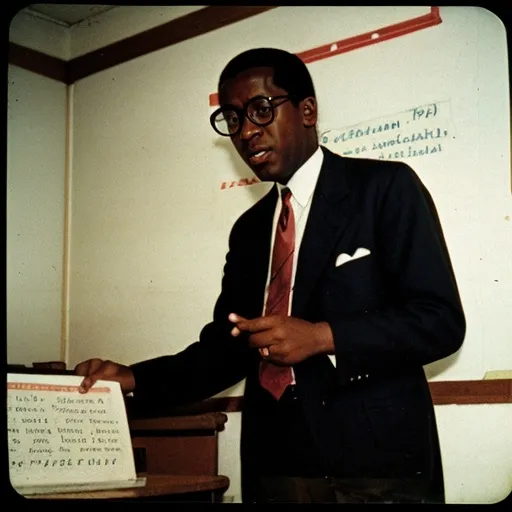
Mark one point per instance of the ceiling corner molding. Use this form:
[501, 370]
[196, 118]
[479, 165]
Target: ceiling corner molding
[175, 31]
[38, 62]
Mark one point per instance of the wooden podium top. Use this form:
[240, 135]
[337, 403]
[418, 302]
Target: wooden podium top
[156, 485]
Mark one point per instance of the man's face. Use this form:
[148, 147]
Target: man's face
[273, 152]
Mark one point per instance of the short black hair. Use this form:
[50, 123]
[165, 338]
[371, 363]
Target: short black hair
[290, 72]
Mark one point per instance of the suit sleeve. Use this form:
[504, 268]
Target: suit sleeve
[204, 368]
[423, 321]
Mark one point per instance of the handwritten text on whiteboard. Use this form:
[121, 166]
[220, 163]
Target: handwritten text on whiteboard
[419, 131]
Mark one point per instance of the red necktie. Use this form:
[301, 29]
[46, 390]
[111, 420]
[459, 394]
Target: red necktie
[276, 378]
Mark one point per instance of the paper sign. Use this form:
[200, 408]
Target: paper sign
[58, 437]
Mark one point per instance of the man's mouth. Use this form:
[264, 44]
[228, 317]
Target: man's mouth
[259, 157]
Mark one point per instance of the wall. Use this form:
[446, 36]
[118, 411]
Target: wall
[36, 157]
[37, 136]
[476, 449]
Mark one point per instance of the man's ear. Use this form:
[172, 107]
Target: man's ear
[309, 111]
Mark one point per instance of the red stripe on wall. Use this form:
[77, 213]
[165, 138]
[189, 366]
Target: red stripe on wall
[372, 37]
[368, 38]
[214, 99]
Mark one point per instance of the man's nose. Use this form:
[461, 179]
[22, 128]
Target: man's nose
[248, 128]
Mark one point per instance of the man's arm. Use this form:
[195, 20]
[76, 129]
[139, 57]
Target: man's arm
[201, 370]
[423, 321]
[285, 340]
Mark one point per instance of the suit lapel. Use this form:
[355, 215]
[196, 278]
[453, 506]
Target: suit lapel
[326, 222]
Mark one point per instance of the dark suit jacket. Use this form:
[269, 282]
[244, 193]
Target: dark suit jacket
[391, 312]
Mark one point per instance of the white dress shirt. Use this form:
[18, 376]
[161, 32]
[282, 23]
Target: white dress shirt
[302, 185]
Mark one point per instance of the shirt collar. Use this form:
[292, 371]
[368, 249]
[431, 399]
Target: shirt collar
[303, 182]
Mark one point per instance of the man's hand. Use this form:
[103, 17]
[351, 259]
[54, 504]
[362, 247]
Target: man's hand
[285, 340]
[98, 369]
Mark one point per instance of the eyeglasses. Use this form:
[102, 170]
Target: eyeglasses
[260, 110]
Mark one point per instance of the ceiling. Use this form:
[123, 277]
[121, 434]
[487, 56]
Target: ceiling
[66, 14]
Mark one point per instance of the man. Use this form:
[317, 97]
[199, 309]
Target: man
[367, 297]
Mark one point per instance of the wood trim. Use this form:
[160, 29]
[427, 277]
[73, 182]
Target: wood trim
[459, 392]
[175, 31]
[19, 368]
[169, 488]
[465, 392]
[372, 37]
[222, 404]
[210, 421]
[38, 62]
[66, 245]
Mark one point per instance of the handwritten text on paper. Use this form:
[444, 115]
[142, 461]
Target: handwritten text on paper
[54, 431]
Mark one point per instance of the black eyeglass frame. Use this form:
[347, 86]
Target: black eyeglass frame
[243, 114]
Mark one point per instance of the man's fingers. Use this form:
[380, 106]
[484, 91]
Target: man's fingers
[87, 367]
[93, 370]
[264, 352]
[262, 333]
[263, 339]
[90, 370]
[233, 317]
[86, 384]
[256, 324]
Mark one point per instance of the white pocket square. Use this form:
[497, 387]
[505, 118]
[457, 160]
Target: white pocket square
[344, 257]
